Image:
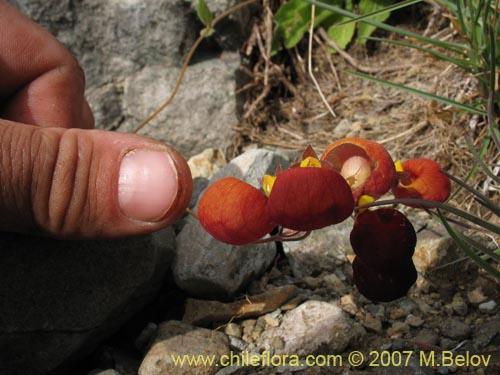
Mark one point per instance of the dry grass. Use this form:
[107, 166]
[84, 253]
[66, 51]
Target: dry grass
[283, 108]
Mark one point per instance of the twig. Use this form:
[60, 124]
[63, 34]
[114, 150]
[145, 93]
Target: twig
[188, 58]
[309, 62]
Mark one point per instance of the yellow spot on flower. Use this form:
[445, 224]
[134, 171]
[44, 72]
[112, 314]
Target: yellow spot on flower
[399, 166]
[310, 162]
[267, 183]
[365, 199]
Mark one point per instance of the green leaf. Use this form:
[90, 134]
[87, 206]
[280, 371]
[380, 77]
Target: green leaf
[204, 13]
[341, 35]
[370, 6]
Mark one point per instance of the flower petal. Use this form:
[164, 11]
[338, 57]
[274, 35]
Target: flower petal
[309, 198]
[422, 179]
[384, 286]
[234, 212]
[376, 181]
[383, 238]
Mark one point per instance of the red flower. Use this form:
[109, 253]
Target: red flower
[310, 195]
[234, 212]
[383, 237]
[366, 165]
[384, 241]
[384, 286]
[422, 179]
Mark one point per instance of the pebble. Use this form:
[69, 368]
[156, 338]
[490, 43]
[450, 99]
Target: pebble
[476, 296]
[178, 338]
[145, 336]
[398, 328]
[397, 313]
[376, 310]
[348, 305]
[232, 329]
[372, 323]
[311, 326]
[488, 307]
[414, 320]
[455, 329]
[460, 307]
[427, 336]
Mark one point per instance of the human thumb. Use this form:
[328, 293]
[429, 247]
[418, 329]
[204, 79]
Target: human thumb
[75, 183]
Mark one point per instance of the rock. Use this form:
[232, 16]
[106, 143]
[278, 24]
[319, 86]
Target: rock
[233, 329]
[414, 321]
[488, 307]
[398, 328]
[486, 333]
[104, 372]
[432, 251]
[203, 112]
[459, 306]
[207, 267]
[313, 326]
[60, 298]
[348, 305]
[203, 312]
[131, 54]
[427, 336]
[145, 336]
[455, 329]
[372, 323]
[178, 339]
[476, 296]
[206, 163]
[322, 251]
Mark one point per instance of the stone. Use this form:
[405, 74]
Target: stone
[233, 329]
[414, 320]
[322, 251]
[201, 116]
[206, 163]
[312, 327]
[372, 323]
[455, 329]
[488, 307]
[59, 298]
[459, 307]
[432, 250]
[208, 268]
[148, 332]
[486, 332]
[476, 296]
[203, 311]
[178, 339]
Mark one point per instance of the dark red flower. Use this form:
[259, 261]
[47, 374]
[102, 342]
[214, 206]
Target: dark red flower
[309, 196]
[366, 165]
[422, 179]
[234, 212]
[383, 237]
[384, 286]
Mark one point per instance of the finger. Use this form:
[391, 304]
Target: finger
[74, 183]
[41, 83]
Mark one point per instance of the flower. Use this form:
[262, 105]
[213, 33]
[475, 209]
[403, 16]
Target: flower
[366, 165]
[383, 286]
[422, 179]
[234, 212]
[384, 242]
[310, 195]
[383, 237]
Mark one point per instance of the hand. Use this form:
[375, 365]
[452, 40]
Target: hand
[60, 177]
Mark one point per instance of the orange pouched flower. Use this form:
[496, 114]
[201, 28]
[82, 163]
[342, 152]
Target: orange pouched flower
[383, 286]
[383, 238]
[234, 212]
[366, 166]
[308, 196]
[421, 179]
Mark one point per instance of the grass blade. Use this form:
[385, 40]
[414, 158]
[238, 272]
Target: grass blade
[427, 95]
[458, 238]
[387, 9]
[455, 47]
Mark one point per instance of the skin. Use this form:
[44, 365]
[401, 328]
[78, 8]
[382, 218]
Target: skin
[59, 176]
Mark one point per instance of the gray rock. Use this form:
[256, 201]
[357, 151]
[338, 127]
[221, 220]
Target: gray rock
[432, 250]
[312, 327]
[322, 251]
[131, 53]
[202, 114]
[178, 339]
[60, 298]
[455, 329]
[488, 307]
[206, 267]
